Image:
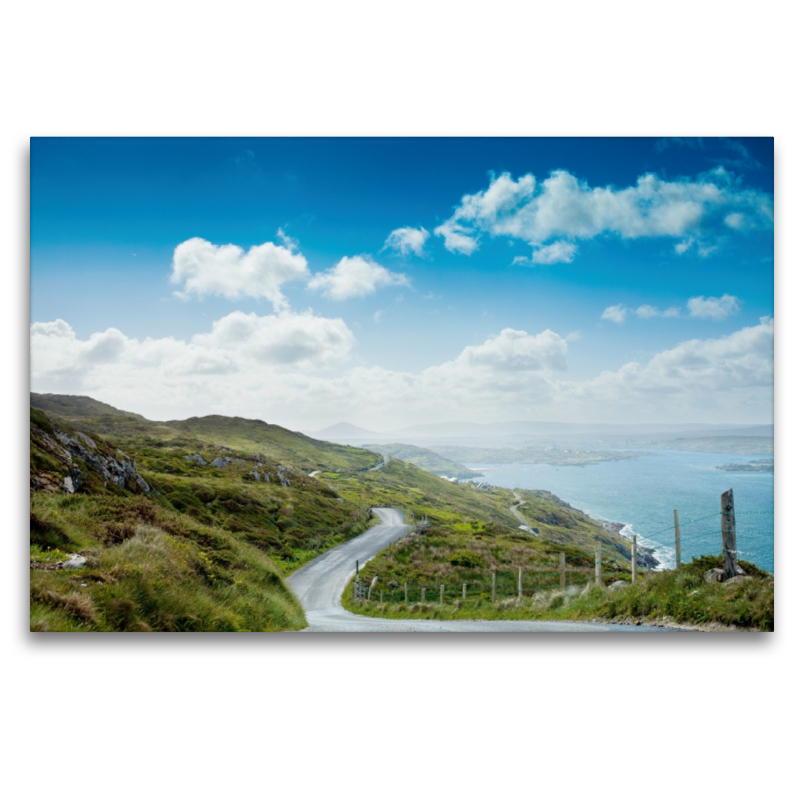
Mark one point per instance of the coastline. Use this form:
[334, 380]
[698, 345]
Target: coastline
[646, 556]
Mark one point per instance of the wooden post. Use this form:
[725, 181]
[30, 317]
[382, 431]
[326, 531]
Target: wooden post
[441, 593]
[381, 595]
[494, 586]
[563, 566]
[598, 567]
[422, 595]
[633, 558]
[405, 590]
[519, 584]
[677, 539]
[728, 533]
[463, 591]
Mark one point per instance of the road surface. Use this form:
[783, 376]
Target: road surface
[320, 583]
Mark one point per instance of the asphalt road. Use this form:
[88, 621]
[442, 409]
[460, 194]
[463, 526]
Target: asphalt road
[320, 583]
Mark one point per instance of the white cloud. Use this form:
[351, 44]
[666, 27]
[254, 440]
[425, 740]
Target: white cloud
[407, 240]
[615, 313]
[355, 277]
[713, 307]
[204, 268]
[563, 207]
[266, 367]
[517, 350]
[556, 253]
[646, 312]
[237, 343]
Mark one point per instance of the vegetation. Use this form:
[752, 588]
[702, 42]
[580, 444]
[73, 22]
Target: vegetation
[670, 597]
[179, 533]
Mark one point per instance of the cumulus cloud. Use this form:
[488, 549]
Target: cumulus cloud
[407, 240]
[713, 307]
[355, 277]
[615, 313]
[205, 269]
[565, 208]
[517, 350]
[237, 343]
[262, 367]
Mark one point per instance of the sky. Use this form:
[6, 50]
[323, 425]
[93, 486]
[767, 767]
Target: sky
[389, 282]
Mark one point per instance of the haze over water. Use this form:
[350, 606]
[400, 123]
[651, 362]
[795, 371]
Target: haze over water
[642, 492]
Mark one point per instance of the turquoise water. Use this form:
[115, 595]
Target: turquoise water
[642, 492]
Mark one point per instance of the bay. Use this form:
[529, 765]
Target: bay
[641, 493]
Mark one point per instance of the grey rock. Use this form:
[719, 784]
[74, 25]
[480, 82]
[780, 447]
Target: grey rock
[67, 485]
[714, 576]
[221, 462]
[74, 562]
[618, 585]
[738, 579]
[198, 459]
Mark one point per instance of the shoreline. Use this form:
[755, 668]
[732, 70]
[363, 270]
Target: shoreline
[647, 558]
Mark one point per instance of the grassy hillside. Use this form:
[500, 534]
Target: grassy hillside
[190, 525]
[250, 436]
[171, 543]
[672, 597]
[427, 459]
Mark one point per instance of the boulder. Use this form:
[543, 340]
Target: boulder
[618, 585]
[714, 576]
[74, 562]
[738, 579]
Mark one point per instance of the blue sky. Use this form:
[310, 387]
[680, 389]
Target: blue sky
[397, 281]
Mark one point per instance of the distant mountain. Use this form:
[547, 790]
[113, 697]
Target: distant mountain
[345, 432]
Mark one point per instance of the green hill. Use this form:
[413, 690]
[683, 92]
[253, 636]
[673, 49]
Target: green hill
[191, 524]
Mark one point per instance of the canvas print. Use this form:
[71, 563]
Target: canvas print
[402, 385]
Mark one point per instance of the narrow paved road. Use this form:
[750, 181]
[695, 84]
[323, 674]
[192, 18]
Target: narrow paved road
[320, 583]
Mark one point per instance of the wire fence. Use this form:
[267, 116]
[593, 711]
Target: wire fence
[749, 529]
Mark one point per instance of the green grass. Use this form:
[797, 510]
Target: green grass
[680, 596]
[158, 572]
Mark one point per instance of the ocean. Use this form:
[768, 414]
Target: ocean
[641, 493]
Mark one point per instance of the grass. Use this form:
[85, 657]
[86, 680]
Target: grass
[681, 597]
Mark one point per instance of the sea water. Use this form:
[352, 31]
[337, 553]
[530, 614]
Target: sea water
[642, 492]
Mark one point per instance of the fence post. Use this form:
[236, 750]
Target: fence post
[494, 586]
[381, 595]
[633, 558]
[441, 593]
[422, 595]
[519, 584]
[677, 540]
[598, 573]
[728, 519]
[463, 591]
[405, 591]
[563, 567]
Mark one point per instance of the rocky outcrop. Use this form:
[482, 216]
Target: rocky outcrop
[71, 458]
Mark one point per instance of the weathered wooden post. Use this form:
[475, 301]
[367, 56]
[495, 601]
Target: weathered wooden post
[355, 583]
[441, 593]
[633, 558]
[371, 587]
[563, 568]
[422, 595]
[405, 591]
[519, 584]
[677, 539]
[463, 591]
[494, 586]
[598, 572]
[381, 595]
[728, 534]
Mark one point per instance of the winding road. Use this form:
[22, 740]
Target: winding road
[319, 585]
